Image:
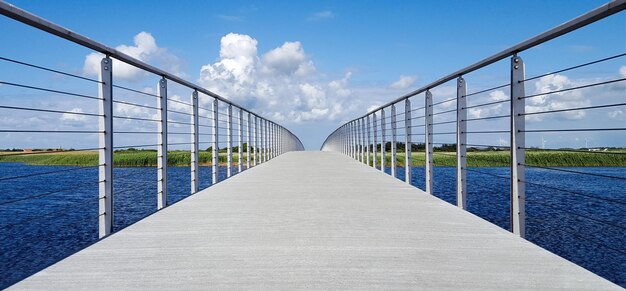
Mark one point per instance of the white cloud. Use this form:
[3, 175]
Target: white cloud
[321, 15]
[73, 117]
[622, 71]
[491, 110]
[282, 83]
[404, 82]
[556, 101]
[144, 49]
[617, 114]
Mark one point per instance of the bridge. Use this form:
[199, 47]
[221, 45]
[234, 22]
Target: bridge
[295, 223]
[346, 217]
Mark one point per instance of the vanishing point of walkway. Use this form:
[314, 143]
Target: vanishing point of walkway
[313, 220]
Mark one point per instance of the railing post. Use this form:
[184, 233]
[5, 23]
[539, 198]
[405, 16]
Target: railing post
[428, 140]
[518, 189]
[408, 143]
[265, 140]
[358, 139]
[248, 144]
[351, 134]
[461, 142]
[393, 140]
[216, 144]
[368, 141]
[162, 141]
[195, 139]
[105, 153]
[240, 142]
[374, 157]
[229, 140]
[362, 120]
[255, 151]
[383, 150]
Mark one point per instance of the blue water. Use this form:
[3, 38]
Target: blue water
[63, 218]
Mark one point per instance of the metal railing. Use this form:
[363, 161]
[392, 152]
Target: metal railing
[574, 212]
[355, 138]
[253, 138]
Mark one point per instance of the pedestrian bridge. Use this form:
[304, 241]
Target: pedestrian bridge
[297, 223]
[268, 215]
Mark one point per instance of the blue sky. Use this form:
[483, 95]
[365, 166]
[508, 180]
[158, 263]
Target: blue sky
[313, 64]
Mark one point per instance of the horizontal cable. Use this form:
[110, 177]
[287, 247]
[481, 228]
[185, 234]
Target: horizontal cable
[180, 143]
[418, 117]
[576, 193]
[419, 125]
[577, 172]
[491, 146]
[487, 104]
[137, 132]
[48, 193]
[549, 205]
[574, 129]
[182, 133]
[179, 122]
[49, 131]
[135, 91]
[48, 69]
[49, 110]
[487, 131]
[49, 152]
[573, 109]
[444, 101]
[576, 67]
[46, 173]
[50, 90]
[136, 146]
[574, 88]
[70, 207]
[487, 90]
[180, 102]
[489, 117]
[419, 108]
[488, 174]
[180, 112]
[136, 118]
[442, 133]
[444, 122]
[135, 104]
[443, 112]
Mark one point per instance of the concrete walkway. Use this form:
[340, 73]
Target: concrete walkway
[313, 220]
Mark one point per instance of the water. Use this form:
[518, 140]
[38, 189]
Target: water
[35, 233]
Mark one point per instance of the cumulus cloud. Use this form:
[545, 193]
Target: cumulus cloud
[282, 83]
[144, 49]
[492, 110]
[617, 115]
[622, 71]
[321, 15]
[404, 82]
[556, 101]
[73, 117]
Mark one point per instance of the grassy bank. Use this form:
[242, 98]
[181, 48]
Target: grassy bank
[182, 158]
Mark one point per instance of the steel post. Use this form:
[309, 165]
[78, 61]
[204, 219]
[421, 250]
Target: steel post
[428, 140]
[215, 143]
[368, 141]
[374, 157]
[461, 144]
[248, 144]
[105, 153]
[383, 150]
[393, 140]
[518, 189]
[229, 140]
[162, 141]
[195, 143]
[240, 142]
[408, 143]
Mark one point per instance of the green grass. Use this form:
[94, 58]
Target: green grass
[146, 158]
[533, 158]
[120, 159]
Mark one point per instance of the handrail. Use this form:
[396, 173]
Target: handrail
[603, 11]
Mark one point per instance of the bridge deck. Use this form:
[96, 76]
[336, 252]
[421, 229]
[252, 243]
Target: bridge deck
[313, 220]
